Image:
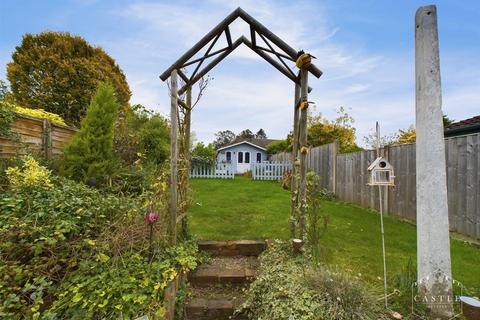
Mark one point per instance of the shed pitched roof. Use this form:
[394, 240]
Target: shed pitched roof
[261, 143]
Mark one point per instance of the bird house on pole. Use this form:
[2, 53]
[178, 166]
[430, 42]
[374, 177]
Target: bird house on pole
[381, 173]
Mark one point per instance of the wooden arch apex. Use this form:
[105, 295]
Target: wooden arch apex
[256, 29]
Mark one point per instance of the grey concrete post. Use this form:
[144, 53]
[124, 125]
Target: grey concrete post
[433, 241]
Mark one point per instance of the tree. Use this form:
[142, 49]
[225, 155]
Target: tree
[245, 134]
[60, 73]
[203, 154]
[403, 136]
[141, 133]
[447, 121]
[406, 136]
[277, 146]
[222, 138]
[204, 151]
[323, 131]
[261, 134]
[89, 155]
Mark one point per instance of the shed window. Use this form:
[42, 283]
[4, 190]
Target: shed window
[259, 157]
[229, 156]
[240, 157]
[247, 157]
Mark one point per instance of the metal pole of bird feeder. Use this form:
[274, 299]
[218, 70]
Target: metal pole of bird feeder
[385, 294]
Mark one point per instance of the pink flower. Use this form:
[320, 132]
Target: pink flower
[151, 217]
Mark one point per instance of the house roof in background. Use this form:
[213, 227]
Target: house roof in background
[259, 143]
[470, 125]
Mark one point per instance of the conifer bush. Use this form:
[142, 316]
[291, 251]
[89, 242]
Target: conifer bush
[89, 155]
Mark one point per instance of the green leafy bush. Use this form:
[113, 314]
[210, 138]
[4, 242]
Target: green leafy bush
[277, 147]
[203, 155]
[89, 155]
[43, 236]
[288, 288]
[141, 134]
[30, 175]
[7, 117]
[127, 289]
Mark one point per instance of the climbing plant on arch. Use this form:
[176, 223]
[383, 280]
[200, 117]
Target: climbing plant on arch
[277, 53]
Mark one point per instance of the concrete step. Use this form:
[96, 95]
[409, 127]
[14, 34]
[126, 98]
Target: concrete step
[233, 247]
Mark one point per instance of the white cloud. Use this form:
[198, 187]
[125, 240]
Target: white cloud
[255, 97]
[372, 83]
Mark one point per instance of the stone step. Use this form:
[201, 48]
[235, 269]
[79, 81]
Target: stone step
[215, 303]
[233, 247]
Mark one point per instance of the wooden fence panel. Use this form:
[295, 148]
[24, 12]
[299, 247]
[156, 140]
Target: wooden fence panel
[347, 175]
[37, 136]
[321, 160]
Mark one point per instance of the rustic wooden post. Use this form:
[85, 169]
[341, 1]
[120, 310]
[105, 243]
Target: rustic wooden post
[186, 155]
[294, 182]
[188, 120]
[302, 143]
[173, 155]
[433, 238]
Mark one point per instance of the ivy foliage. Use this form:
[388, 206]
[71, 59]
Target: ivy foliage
[89, 155]
[42, 233]
[128, 289]
[287, 287]
[7, 117]
[59, 73]
[68, 251]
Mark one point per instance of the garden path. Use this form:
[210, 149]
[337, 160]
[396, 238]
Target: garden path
[217, 287]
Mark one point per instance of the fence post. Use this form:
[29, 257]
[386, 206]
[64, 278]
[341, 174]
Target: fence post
[46, 138]
[334, 166]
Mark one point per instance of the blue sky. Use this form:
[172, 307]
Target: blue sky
[365, 49]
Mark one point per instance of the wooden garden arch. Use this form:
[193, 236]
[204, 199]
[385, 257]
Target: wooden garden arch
[300, 79]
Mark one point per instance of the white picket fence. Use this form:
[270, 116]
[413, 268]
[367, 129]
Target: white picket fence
[270, 170]
[219, 171]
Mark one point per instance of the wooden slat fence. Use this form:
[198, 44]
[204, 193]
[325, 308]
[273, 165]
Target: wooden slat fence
[270, 170]
[36, 136]
[346, 175]
[219, 171]
[321, 160]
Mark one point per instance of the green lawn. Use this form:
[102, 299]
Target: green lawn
[246, 209]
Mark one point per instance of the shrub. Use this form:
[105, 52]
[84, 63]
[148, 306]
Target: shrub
[288, 288]
[34, 113]
[131, 288]
[30, 175]
[141, 134]
[7, 117]
[133, 179]
[277, 147]
[203, 155]
[44, 234]
[90, 152]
